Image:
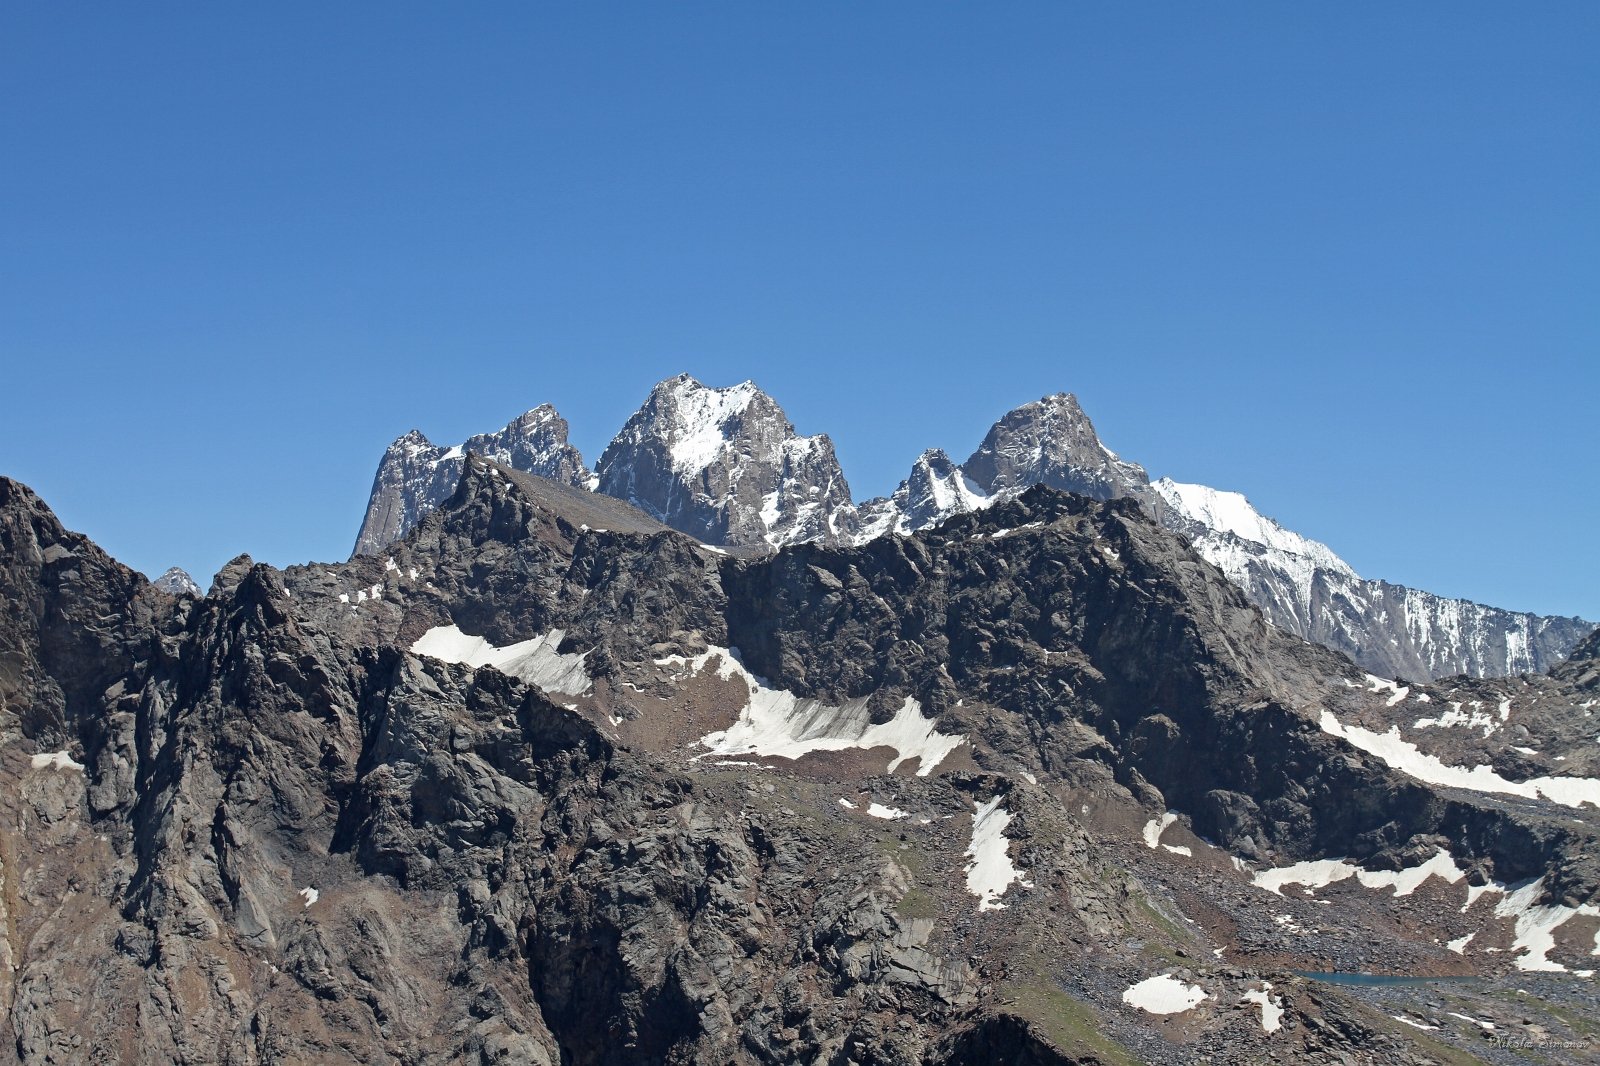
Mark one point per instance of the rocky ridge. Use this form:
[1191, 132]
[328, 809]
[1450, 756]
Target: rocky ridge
[549, 782]
[415, 475]
[727, 467]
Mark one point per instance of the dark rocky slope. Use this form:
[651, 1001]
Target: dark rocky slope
[293, 840]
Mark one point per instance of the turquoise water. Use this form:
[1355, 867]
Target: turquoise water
[1338, 977]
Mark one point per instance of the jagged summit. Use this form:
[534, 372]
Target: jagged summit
[935, 491]
[416, 475]
[1052, 442]
[725, 465]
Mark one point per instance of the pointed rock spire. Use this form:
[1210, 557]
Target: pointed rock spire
[1052, 442]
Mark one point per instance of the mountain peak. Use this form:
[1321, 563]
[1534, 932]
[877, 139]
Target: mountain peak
[937, 489]
[1225, 512]
[417, 475]
[177, 581]
[697, 420]
[1050, 441]
[724, 465]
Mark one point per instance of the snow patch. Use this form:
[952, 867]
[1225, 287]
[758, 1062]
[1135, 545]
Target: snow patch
[535, 661]
[878, 810]
[1455, 716]
[1536, 924]
[776, 722]
[1319, 873]
[1155, 827]
[1415, 1024]
[1271, 1011]
[989, 869]
[1163, 995]
[1397, 691]
[55, 760]
[1404, 756]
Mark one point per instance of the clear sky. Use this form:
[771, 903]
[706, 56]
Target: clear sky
[1344, 258]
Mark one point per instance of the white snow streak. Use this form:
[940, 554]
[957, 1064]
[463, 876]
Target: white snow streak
[989, 868]
[535, 661]
[776, 722]
[1319, 873]
[1404, 756]
[1414, 1024]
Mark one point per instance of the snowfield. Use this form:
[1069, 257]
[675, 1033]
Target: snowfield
[989, 868]
[777, 723]
[535, 661]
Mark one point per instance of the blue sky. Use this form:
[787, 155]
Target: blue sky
[1343, 258]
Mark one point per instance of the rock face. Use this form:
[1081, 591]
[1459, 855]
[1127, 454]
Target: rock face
[178, 582]
[416, 475]
[937, 489]
[1052, 442]
[725, 466]
[548, 782]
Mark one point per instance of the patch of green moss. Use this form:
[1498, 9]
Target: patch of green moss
[917, 904]
[1436, 1049]
[1069, 1023]
[904, 852]
[1165, 924]
[1577, 1022]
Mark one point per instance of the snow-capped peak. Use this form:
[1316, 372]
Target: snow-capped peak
[178, 582]
[1231, 512]
[697, 419]
[726, 466]
[938, 489]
